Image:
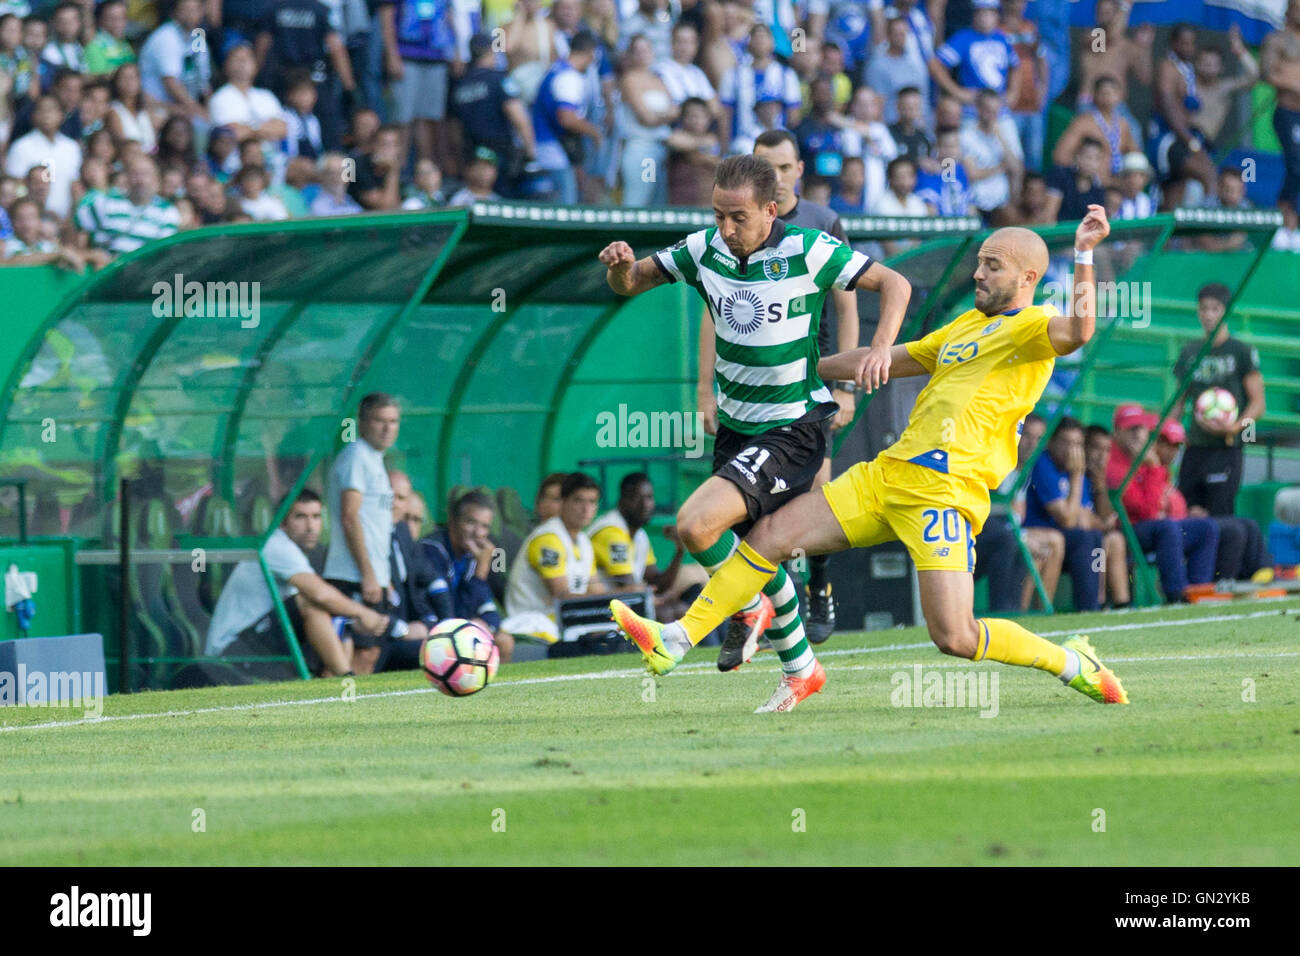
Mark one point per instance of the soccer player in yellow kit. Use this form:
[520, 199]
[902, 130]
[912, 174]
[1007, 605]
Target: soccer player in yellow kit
[930, 489]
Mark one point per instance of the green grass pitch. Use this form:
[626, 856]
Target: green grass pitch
[584, 762]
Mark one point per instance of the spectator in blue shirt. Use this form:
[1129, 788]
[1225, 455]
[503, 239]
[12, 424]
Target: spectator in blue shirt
[756, 78]
[460, 556]
[983, 58]
[1284, 530]
[848, 26]
[947, 191]
[599, 165]
[423, 45]
[1060, 495]
[560, 118]
[819, 135]
[981, 55]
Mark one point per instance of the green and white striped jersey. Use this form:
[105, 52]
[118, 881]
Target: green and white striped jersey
[118, 225]
[765, 312]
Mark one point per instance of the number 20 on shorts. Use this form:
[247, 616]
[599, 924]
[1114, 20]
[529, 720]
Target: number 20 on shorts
[947, 520]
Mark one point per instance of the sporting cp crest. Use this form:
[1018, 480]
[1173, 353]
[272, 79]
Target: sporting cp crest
[776, 268]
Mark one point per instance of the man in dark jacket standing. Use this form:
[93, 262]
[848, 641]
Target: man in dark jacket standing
[487, 102]
[409, 569]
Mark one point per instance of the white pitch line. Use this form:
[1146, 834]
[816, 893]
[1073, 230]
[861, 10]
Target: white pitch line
[694, 668]
[1179, 622]
[211, 710]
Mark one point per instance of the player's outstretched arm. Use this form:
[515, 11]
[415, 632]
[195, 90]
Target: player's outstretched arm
[856, 365]
[895, 292]
[628, 275]
[1074, 328]
[871, 367]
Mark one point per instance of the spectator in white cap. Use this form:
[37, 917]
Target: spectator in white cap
[1134, 182]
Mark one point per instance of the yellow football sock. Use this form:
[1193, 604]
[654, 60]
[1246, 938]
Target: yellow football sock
[1008, 642]
[732, 586]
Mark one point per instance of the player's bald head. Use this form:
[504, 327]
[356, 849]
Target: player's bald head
[1022, 248]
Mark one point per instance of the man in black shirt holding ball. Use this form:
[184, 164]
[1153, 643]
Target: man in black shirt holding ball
[1212, 463]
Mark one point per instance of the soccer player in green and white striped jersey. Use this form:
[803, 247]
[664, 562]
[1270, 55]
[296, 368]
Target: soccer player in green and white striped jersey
[764, 282]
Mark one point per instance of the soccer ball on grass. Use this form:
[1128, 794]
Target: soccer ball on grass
[459, 658]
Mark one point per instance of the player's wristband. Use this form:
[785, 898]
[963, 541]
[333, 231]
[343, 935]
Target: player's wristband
[1083, 257]
[845, 386]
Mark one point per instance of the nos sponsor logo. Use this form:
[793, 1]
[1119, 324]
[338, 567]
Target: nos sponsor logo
[744, 312]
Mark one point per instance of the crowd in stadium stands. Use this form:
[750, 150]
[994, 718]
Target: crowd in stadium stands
[369, 600]
[126, 121]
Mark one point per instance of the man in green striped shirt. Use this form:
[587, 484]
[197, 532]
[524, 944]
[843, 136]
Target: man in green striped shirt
[764, 282]
[123, 222]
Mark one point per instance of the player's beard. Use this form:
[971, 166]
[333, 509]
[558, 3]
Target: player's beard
[994, 300]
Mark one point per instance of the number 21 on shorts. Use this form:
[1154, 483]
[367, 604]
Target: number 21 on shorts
[748, 459]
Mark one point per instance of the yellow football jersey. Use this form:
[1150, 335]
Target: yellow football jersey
[620, 553]
[987, 373]
[548, 552]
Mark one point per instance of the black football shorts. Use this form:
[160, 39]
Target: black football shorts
[775, 466]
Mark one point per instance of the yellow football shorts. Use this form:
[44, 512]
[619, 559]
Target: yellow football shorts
[936, 516]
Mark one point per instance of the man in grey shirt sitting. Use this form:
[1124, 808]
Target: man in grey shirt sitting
[244, 621]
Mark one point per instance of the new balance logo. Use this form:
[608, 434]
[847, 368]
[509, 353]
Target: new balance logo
[940, 553]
